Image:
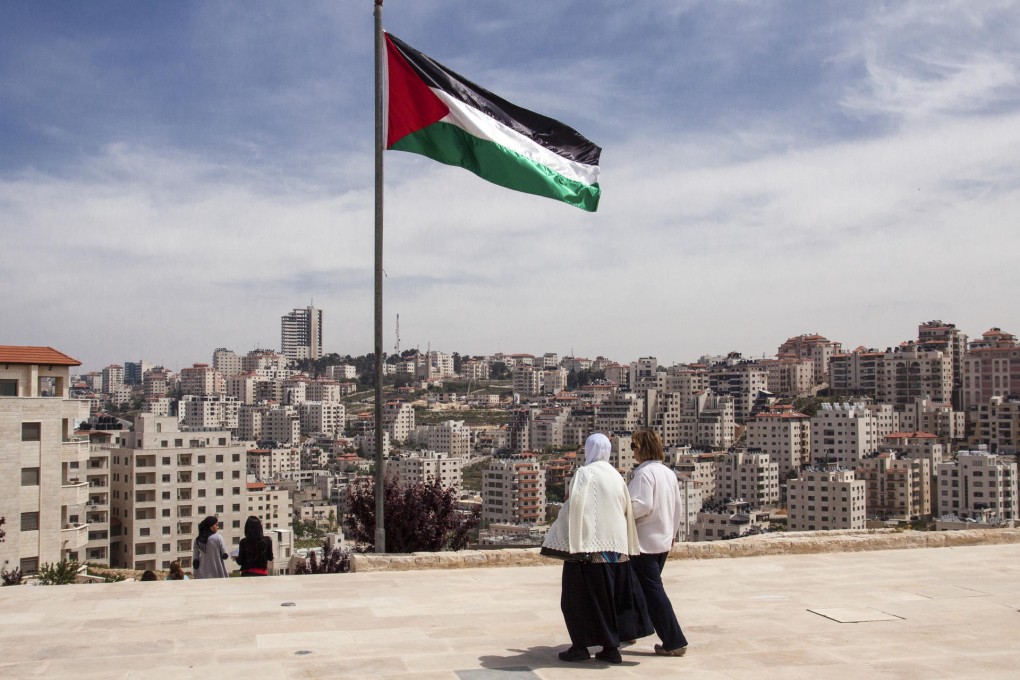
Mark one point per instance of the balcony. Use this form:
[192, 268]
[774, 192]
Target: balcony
[74, 536]
[73, 492]
[74, 451]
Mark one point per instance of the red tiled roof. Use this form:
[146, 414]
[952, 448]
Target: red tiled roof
[254, 486]
[47, 356]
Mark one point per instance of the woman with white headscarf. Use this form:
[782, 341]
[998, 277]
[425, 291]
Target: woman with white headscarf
[595, 535]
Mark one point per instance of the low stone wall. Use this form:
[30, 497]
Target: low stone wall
[777, 543]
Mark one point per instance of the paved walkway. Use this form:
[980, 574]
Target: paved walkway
[924, 613]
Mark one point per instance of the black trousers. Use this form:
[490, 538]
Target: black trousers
[648, 569]
[602, 604]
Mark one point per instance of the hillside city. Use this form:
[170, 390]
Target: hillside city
[117, 467]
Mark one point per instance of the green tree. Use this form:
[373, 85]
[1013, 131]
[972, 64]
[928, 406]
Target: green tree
[59, 573]
[420, 517]
[499, 371]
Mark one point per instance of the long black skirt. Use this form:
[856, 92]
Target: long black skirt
[602, 604]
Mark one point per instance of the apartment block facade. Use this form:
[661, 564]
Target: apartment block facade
[978, 485]
[164, 482]
[44, 490]
[513, 490]
[822, 500]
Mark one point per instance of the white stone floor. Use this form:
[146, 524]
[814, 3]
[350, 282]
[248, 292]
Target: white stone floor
[924, 613]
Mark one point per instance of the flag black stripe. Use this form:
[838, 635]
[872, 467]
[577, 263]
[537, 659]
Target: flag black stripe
[552, 134]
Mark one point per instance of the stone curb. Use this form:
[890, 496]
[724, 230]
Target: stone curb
[779, 543]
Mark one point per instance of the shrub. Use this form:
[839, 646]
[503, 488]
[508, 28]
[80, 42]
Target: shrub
[59, 573]
[335, 561]
[418, 517]
[13, 577]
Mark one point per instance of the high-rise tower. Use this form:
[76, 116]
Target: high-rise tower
[301, 333]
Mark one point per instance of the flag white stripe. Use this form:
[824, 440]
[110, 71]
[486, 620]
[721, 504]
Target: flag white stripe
[480, 125]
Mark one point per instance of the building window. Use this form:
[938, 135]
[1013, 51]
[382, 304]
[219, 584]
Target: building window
[30, 476]
[8, 388]
[219, 475]
[219, 508]
[29, 565]
[30, 521]
[219, 458]
[31, 432]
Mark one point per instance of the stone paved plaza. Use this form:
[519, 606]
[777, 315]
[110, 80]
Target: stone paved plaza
[921, 613]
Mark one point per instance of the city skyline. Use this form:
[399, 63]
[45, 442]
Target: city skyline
[767, 171]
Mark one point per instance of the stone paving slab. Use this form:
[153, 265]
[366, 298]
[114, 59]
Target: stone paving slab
[945, 613]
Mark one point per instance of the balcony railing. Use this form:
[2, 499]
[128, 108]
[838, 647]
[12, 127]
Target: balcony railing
[74, 536]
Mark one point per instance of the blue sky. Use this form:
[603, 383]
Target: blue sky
[174, 177]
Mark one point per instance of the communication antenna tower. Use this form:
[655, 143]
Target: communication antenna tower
[396, 348]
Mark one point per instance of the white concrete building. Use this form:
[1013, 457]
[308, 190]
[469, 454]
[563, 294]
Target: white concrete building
[826, 499]
[44, 491]
[422, 467]
[784, 434]
[164, 482]
[513, 490]
[978, 485]
[301, 333]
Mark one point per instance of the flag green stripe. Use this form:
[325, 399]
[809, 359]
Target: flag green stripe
[495, 163]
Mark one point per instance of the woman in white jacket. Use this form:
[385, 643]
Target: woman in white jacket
[595, 535]
[658, 513]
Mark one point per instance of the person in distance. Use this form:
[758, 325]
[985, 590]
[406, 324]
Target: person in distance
[210, 551]
[255, 551]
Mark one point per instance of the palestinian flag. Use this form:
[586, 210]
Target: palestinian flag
[439, 114]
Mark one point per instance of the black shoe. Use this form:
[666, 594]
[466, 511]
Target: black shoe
[575, 654]
[609, 655]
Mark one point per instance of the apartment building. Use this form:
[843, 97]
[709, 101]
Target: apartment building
[790, 376]
[113, 377]
[940, 419]
[44, 490]
[732, 520]
[452, 437]
[978, 485]
[301, 333]
[899, 376]
[528, 380]
[784, 434]
[164, 482]
[134, 370]
[918, 445]
[423, 467]
[156, 382]
[323, 390]
[202, 380]
[699, 469]
[281, 425]
[826, 499]
[622, 412]
[322, 417]
[266, 465]
[513, 490]
[745, 382]
[750, 477]
[818, 349]
[548, 428]
[896, 487]
[946, 338]
[214, 412]
[843, 434]
[226, 362]
[707, 421]
[398, 419]
[272, 505]
[996, 424]
[474, 369]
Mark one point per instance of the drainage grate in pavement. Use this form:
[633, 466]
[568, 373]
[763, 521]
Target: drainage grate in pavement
[855, 614]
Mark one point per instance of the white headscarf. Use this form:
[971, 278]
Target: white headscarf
[596, 448]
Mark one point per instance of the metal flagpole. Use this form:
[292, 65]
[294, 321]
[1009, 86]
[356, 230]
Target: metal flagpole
[380, 527]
